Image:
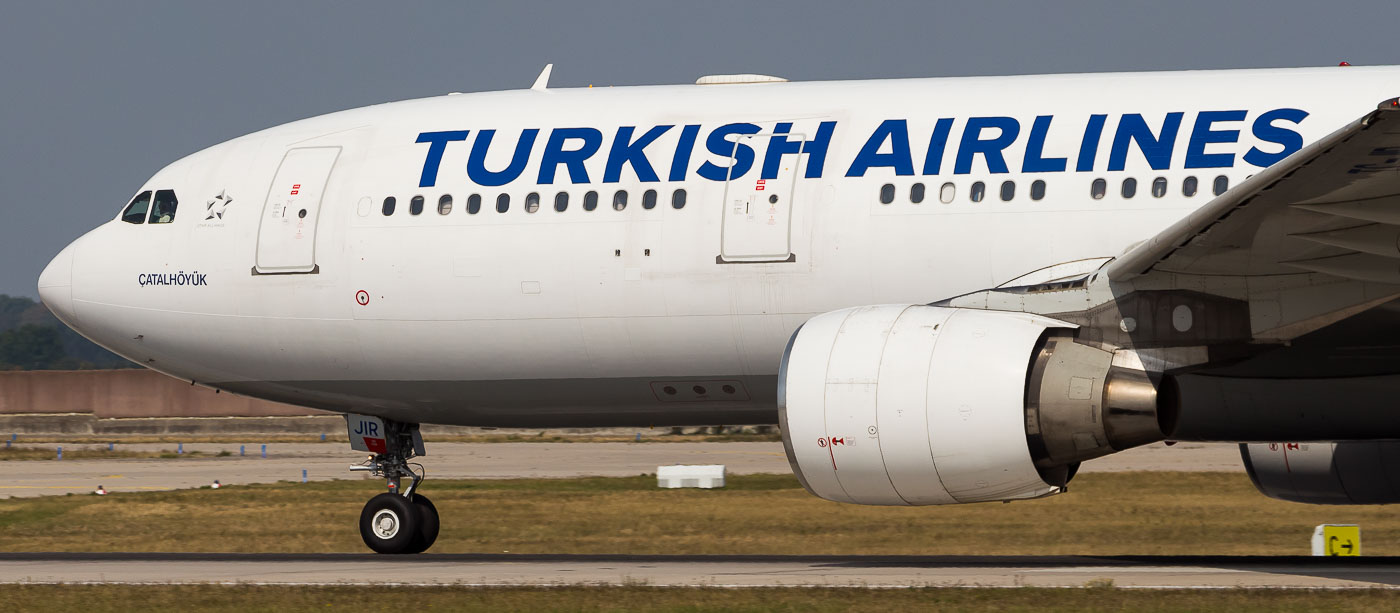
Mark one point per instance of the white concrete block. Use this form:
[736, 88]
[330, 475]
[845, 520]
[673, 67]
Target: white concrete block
[704, 476]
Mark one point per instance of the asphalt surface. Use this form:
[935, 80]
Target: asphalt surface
[691, 570]
[323, 461]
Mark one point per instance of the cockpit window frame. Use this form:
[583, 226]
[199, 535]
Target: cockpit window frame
[156, 202]
[126, 216]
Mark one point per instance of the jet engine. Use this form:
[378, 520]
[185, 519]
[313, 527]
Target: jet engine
[920, 405]
[1352, 472]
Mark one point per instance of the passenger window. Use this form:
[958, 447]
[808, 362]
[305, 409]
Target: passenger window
[1008, 190]
[1222, 183]
[678, 199]
[135, 212]
[590, 201]
[1098, 189]
[1188, 187]
[1129, 187]
[445, 204]
[561, 201]
[978, 191]
[1037, 190]
[887, 193]
[415, 206]
[163, 211]
[1159, 186]
[532, 202]
[649, 199]
[916, 193]
[502, 203]
[389, 206]
[620, 200]
[473, 204]
[947, 193]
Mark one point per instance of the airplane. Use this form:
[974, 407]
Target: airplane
[944, 290]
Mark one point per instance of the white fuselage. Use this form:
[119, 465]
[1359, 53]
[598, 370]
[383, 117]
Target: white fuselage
[647, 315]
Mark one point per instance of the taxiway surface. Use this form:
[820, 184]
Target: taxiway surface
[719, 571]
[324, 461]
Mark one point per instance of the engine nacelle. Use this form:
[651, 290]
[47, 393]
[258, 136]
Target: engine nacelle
[919, 405]
[1352, 472]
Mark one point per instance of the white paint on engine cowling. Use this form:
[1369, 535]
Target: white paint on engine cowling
[912, 405]
[1348, 472]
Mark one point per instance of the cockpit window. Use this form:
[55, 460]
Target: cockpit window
[163, 211]
[136, 211]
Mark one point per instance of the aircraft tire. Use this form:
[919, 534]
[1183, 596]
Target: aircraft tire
[390, 523]
[428, 524]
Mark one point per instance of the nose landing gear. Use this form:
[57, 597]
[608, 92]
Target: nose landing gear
[401, 520]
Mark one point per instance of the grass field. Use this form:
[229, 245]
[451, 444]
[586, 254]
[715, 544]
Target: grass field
[99, 599]
[1104, 513]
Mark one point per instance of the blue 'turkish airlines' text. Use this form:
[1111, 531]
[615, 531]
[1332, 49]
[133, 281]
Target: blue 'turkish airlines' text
[998, 144]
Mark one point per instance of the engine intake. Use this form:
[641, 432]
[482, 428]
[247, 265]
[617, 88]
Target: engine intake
[919, 405]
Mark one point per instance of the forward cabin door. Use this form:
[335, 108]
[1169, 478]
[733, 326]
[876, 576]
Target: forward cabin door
[757, 222]
[287, 233]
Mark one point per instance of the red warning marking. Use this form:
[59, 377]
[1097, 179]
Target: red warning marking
[758, 187]
[1291, 446]
[362, 297]
[376, 445]
[296, 189]
[838, 441]
[821, 442]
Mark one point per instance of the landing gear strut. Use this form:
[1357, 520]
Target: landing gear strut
[401, 520]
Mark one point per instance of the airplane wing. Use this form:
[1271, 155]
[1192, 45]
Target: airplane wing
[1332, 208]
[1305, 243]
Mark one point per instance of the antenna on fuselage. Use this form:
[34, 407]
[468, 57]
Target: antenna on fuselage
[542, 82]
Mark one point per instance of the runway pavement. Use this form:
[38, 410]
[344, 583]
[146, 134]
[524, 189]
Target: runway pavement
[719, 571]
[323, 461]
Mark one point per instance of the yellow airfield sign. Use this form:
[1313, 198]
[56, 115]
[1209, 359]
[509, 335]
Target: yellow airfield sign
[1336, 540]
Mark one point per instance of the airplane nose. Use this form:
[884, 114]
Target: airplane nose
[56, 285]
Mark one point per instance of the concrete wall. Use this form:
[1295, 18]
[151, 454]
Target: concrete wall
[117, 394]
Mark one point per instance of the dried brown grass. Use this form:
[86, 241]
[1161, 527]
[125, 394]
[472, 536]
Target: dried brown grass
[1103, 514]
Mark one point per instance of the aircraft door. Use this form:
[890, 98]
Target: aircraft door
[287, 232]
[757, 222]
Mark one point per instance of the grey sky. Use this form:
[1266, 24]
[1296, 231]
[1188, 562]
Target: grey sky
[97, 96]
